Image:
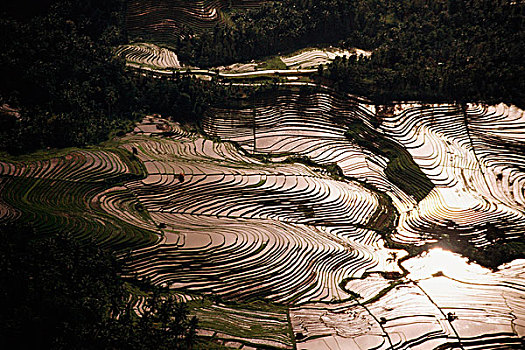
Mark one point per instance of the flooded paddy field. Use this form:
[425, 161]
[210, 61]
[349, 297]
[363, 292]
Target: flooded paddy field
[310, 204]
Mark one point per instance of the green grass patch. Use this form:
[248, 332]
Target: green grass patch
[247, 320]
[401, 168]
[274, 62]
[384, 219]
[65, 201]
[65, 206]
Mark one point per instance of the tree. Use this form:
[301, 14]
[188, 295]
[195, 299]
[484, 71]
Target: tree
[59, 293]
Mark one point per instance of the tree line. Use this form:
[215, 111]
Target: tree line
[59, 293]
[62, 84]
[277, 26]
[443, 50]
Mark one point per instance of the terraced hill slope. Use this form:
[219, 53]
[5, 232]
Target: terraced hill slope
[305, 218]
[471, 171]
[296, 212]
[266, 220]
[149, 55]
[163, 20]
[163, 60]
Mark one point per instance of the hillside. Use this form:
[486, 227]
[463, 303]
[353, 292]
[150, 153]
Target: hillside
[296, 174]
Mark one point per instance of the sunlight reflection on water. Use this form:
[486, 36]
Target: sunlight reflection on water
[438, 260]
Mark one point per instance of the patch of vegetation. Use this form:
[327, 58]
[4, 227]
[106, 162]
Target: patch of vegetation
[333, 170]
[277, 26]
[272, 63]
[59, 72]
[63, 86]
[401, 168]
[58, 293]
[384, 220]
[440, 52]
[307, 210]
[65, 204]
[249, 320]
[453, 50]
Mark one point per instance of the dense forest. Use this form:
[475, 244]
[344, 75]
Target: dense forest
[278, 27]
[63, 86]
[58, 293]
[58, 71]
[443, 50]
[462, 51]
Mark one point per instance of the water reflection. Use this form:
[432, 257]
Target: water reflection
[438, 261]
[485, 302]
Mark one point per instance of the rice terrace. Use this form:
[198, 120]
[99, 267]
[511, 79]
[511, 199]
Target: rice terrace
[242, 174]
